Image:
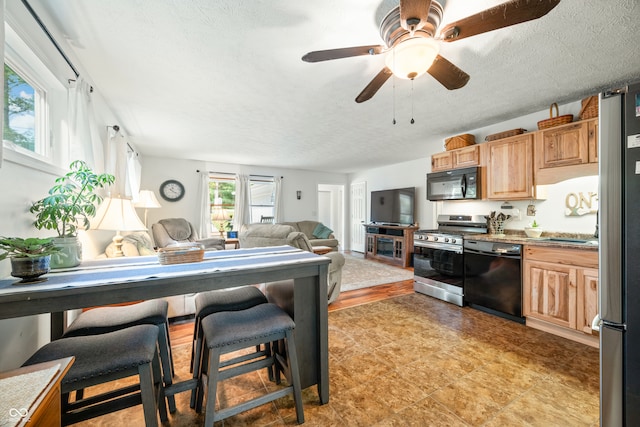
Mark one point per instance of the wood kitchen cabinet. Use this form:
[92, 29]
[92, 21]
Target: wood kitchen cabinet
[464, 157]
[441, 161]
[510, 168]
[560, 291]
[566, 151]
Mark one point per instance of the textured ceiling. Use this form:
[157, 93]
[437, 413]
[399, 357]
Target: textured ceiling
[223, 81]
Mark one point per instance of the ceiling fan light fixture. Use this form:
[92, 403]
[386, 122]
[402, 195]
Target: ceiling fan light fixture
[412, 58]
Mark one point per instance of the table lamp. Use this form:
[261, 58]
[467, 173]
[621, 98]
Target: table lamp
[219, 215]
[117, 214]
[147, 200]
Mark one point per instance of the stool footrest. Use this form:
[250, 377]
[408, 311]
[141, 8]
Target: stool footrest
[250, 404]
[185, 385]
[243, 369]
[86, 412]
[103, 397]
[243, 358]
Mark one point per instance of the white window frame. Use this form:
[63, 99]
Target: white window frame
[52, 145]
[220, 177]
[256, 210]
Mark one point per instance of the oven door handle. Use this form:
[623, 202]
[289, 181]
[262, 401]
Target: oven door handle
[492, 253]
[439, 246]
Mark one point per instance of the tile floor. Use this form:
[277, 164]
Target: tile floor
[416, 361]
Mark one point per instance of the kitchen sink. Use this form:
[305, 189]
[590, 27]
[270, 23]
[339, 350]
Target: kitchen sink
[570, 240]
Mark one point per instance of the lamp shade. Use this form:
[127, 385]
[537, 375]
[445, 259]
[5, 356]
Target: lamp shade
[218, 214]
[117, 214]
[412, 58]
[147, 199]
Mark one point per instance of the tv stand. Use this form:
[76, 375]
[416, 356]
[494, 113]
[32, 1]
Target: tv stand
[389, 243]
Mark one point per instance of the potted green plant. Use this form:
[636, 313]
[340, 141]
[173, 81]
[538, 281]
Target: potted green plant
[68, 207]
[533, 230]
[30, 257]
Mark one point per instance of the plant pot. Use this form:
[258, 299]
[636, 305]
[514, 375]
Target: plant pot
[30, 269]
[70, 253]
[534, 232]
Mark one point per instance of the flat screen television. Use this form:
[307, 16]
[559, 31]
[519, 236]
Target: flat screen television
[395, 206]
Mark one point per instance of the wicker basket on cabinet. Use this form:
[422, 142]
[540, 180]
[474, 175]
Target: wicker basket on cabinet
[459, 141]
[589, 108]
[555, 121]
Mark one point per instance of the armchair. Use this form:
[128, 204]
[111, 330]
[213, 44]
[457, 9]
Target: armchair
[173, 231]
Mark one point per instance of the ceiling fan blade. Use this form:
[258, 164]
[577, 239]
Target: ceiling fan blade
[375, 84]
[414, 14]
[345, 52]
[504, 15]
[448, 74]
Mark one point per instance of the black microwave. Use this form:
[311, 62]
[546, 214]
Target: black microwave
[456, 184]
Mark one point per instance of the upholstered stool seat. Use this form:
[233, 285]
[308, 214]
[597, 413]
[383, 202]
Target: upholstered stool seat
[102, 320]
[107, 357]
[229, 331]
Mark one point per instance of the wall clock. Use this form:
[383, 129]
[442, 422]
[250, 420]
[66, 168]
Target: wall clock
[172, 190]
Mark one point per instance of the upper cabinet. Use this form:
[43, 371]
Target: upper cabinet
[514, 167]
[510, 168]
[566, 151]
[564, 145]
[459, 158]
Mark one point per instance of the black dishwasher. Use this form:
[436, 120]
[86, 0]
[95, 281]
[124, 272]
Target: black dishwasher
[493, 278]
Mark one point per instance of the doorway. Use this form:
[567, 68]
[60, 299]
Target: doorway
[331, 209]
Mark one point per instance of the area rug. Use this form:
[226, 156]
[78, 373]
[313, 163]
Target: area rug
[359, 273]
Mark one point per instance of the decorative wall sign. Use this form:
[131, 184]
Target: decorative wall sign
[579, 204]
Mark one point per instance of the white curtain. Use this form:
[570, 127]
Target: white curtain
[117, 164]
[278, 199]
[134, 174]
[81, 136]
[204, 222]
[242, 207]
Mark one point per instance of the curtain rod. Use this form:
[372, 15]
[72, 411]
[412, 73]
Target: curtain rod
[231, 173]
[48, 34]
[116, 128]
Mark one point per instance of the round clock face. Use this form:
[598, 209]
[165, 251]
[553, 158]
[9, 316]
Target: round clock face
[172, 190]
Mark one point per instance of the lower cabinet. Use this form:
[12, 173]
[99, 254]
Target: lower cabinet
[560, 291]
[392, 244]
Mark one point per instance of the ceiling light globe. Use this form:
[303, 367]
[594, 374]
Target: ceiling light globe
[412, 58]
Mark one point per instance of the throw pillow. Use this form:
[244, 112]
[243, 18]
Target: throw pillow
[322, 231]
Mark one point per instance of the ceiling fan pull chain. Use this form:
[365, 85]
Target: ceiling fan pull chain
[412, 121]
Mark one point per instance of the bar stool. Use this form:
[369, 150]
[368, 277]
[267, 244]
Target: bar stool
[108, 357]
[102, 320]
[210, 302]
[229, 331]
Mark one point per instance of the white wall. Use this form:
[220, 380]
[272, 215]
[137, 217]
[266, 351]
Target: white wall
[550, 212]
[156, 170]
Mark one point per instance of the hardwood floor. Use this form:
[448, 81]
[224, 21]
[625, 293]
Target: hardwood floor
[181, 331]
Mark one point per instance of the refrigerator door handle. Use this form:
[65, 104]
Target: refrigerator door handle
[596, 322]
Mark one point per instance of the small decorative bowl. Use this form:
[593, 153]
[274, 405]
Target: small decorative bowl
[534, 232]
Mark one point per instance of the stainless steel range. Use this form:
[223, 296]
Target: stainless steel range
[438, 266]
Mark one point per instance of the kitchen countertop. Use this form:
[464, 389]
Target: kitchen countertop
[584, 241]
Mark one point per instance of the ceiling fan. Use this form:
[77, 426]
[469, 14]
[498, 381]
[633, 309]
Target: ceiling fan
[411, 36]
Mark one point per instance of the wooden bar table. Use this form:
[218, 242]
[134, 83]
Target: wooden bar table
[112, 281]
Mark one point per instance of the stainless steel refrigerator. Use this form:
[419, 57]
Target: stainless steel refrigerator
[619, 238]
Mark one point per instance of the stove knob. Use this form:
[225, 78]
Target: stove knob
[453, 240]
[420, 237]
[446, 239]
[435, 239]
